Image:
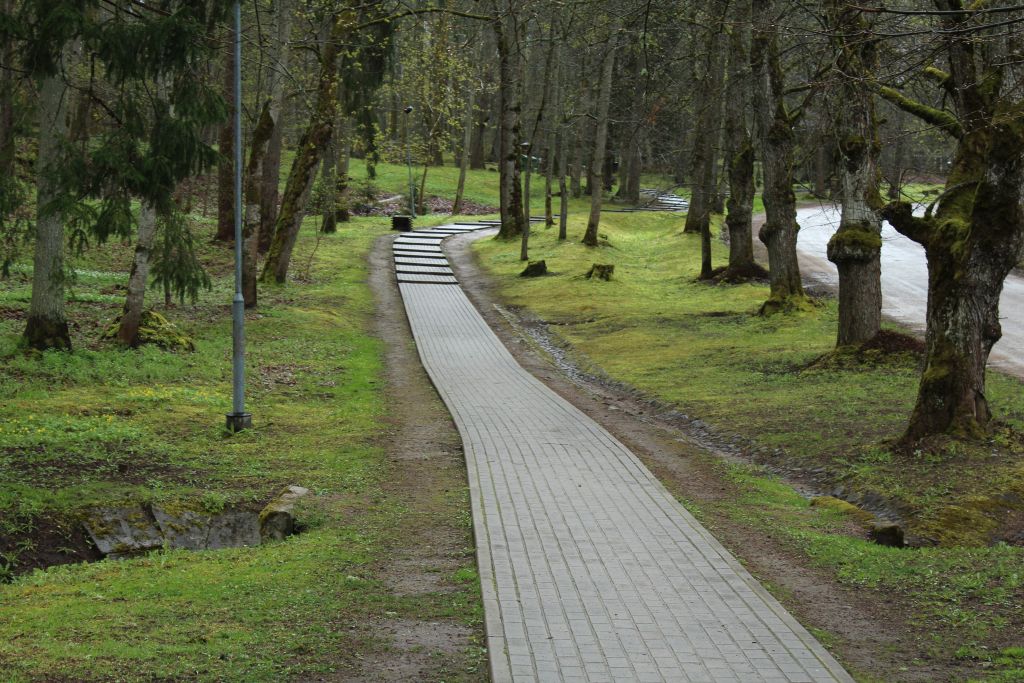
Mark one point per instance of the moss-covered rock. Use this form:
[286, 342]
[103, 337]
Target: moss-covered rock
[843, 507]
[157, 330]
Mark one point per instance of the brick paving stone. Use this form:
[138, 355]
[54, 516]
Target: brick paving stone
[590, 569]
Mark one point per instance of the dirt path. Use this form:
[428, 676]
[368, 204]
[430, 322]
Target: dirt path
[872, 638]
[433, 539]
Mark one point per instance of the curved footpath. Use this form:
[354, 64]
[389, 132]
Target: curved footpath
[591, 570]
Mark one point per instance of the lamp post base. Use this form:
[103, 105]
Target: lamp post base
[236, 422]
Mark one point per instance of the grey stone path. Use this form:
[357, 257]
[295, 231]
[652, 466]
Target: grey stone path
[591, 570]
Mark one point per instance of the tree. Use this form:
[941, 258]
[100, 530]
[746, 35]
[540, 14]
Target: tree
[279, 58]
[740, 155]
[775, 134]
[226, 147]
[856, 247]
[252, 219]
[47, 326]
[47, 48]
[507, 31]
[601, 131]
[974, 232]
[310, 151]
[704, 158]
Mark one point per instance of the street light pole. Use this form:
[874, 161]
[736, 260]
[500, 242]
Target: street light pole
[238, 419]
[408, 161]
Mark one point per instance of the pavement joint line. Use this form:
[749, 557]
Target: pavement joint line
[590, 569]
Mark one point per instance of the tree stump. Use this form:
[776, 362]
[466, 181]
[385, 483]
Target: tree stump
[601, 271]
[535, 269]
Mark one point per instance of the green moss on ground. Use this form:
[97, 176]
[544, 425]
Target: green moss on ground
[704, 350]
[104, 425]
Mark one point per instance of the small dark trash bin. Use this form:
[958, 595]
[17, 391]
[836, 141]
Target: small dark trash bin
[403, 223]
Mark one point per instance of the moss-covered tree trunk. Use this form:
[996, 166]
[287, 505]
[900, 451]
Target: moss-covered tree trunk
[975, 235]
[47, 325]
[856, 247]
[775, 134]
[307, 157]
[604, 97]
[972, 241]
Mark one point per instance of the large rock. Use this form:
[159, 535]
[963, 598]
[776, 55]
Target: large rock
[277, 519]
[122, 532]
[199, 530]
[535, 269]
[155, 329]
[137, 529]
[884, 532]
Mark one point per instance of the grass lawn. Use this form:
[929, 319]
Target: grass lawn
[101, 426]
[701, 349]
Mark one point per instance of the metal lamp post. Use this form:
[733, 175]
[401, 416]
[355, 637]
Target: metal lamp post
[238, 419]
[408, 162]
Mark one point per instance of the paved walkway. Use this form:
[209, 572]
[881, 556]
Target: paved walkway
[591, 570]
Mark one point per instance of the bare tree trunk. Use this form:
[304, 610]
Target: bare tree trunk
[131, 319]
[894, 170]
[856, 247]
[476, 154]
[580, 136]
[252, 220]
[739, 220]
[698, 216]
[576, 169]
[226, 148]
[467, 141]
[549, 215]
[601, 136]
[511, 199]
[775, 132]
[341, 206]
[421, 203]
[821, 168]
[329, 185]
[271, 178]
[563, 191]
[7, 142]
[631, 163]
[47, 326]
[311, 146]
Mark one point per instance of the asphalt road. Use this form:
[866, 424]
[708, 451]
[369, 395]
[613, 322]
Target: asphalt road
[905, 283]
